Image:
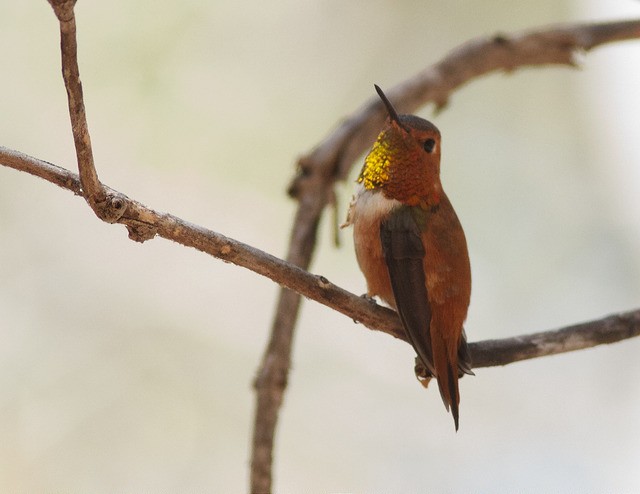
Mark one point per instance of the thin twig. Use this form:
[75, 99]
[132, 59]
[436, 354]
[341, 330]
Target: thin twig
[43, 169]
[92, 189]
[332, 159]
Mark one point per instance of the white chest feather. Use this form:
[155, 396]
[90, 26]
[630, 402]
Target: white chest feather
[369, 207]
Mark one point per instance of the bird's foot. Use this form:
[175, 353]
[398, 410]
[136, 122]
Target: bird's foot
[369, 298]
[422, 373]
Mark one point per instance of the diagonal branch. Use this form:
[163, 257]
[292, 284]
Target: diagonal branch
[145, 223]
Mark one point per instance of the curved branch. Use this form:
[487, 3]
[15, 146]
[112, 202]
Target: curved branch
[554, 45]
[333, 157]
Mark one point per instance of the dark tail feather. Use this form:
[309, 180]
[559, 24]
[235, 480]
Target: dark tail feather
[447, 375]
[453, 393]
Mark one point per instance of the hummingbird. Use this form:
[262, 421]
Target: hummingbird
[412, 250]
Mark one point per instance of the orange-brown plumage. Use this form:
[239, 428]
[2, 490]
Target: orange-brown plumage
[411, 247]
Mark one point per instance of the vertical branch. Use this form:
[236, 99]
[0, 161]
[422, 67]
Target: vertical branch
[93, 191]
[271, 381]
[270, 386]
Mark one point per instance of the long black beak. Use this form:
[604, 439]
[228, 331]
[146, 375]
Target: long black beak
[393, 115]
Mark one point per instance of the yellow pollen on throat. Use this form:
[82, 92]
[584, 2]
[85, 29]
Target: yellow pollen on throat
[375, 172]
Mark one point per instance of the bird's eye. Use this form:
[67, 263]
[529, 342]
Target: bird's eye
[428, 145]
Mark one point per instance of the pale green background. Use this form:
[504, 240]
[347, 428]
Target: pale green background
[128, 368]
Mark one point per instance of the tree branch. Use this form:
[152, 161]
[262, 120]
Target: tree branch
[144, 223]
[611, 329]
[92, 190]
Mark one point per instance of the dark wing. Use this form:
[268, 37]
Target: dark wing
[404, 254]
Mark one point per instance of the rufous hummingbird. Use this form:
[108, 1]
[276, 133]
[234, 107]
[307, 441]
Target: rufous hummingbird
[411, 247]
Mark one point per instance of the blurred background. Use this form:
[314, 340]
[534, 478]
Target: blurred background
[128, 367]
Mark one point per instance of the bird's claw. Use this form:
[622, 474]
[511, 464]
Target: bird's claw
[422, 373]
[369, 298]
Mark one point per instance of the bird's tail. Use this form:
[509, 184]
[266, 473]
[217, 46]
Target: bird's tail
[445, 361]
